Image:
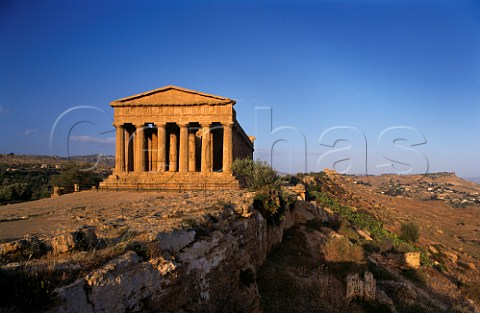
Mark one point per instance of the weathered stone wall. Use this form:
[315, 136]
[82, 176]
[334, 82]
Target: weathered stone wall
[207, 272]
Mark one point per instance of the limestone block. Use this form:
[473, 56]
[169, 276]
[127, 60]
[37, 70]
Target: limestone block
[57, 191]
[355, 287]
[123, 284]
[451, 255]
[412, 259]
[30, 246]
[176, 240]
[370, 287]
[63, 243]
[365, 235]
[471, 266]
[12, 247]
[433, 250]
[245, 206]
[358, 289]
[72, 298]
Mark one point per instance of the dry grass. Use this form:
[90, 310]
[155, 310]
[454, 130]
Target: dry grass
[342, 250]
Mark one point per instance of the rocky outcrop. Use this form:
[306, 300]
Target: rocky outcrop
[195, 270]
[83, 238]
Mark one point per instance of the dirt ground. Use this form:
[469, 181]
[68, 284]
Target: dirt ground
[151, 212]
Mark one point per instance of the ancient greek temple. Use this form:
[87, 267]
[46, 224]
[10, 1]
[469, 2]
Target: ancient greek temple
[174, 138]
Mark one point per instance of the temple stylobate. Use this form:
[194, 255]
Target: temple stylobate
[176, 139]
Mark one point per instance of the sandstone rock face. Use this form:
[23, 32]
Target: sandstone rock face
[208, 272]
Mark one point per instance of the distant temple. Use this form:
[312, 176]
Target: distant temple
[173, 138]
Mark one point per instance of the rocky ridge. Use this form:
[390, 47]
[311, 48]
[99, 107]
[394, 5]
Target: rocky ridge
[216, 252]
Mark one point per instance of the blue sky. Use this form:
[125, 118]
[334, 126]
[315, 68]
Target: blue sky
[371, 83]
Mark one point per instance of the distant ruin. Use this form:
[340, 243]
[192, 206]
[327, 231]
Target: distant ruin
[174, 138]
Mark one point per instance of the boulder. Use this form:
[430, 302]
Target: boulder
[412, 260]
[63, 243]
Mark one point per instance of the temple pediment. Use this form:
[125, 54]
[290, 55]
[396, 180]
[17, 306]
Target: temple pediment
[172, 95]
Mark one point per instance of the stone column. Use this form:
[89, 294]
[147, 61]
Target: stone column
[161, 156]
[154, 153]
[172, 167]
[192, 164]
[120, 149]
[227, 148]
[210, 152]
[139, 148]
[183, 157]
[205, 148]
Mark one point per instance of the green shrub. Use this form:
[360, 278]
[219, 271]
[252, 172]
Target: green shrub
[342, 250]
[346, 230]
[74, 174]
[409, 231]
[15, 192]
[404, 247]
[255, 174]
[271, 205]
[386, 245]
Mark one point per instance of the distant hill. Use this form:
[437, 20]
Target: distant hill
[104, 161]
[473, 179]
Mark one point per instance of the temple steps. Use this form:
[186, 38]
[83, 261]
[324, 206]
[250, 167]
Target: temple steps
[170, 181]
